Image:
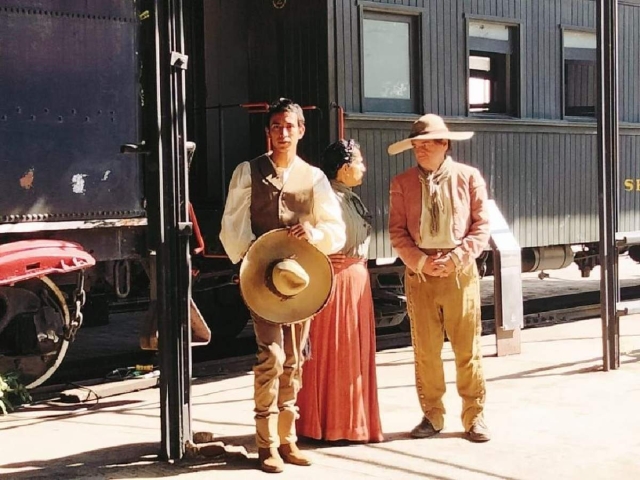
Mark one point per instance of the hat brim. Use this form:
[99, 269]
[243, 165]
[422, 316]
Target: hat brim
[266, 304]
[405, 144]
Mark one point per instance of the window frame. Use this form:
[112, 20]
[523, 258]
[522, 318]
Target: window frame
[563, 59]
[517, 41]
[412, 16]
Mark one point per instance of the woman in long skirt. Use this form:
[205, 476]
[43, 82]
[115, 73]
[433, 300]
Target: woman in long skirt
[339, 397]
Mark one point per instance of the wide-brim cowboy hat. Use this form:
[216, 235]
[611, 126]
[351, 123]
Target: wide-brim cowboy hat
[427, 127]
[305, 281]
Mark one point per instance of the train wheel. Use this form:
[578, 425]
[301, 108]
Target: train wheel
[223, 310]
[33, 319]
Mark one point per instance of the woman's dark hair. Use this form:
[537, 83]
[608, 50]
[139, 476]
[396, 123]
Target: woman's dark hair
[336, 155]
[285, 105]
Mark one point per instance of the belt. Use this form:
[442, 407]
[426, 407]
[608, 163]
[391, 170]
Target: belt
[435, 251]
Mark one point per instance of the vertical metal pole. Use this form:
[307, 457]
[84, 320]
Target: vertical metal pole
[174, 263]
[607, 18]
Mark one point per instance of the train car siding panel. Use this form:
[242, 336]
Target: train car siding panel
[443, 34]
[629, 64]
[543, 171]
[629, 214]
[545, 183]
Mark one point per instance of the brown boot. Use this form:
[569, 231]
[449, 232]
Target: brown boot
[479, 432]
[292, 454]
[270, 460]
[424, 429]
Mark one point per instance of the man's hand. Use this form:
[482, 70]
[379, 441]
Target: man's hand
[445, 266]
[439, 265]
[430, 267]
[299, 231]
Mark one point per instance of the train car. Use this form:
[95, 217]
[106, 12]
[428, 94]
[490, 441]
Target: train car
[520, 73]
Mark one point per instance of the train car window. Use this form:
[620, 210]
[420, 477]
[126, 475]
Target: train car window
[390, 73]
[494, 68]
[579, 72]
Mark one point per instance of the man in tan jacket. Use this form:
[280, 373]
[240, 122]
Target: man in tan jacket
[439, 224]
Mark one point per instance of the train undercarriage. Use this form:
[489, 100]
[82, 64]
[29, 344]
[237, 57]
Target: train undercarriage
[40, 314]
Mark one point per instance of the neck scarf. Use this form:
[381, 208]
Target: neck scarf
[432, 184]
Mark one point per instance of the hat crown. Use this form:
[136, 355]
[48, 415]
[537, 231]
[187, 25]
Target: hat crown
[429, 123]
[289, 277]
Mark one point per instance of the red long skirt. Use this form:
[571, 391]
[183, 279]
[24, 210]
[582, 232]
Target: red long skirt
[339, 397]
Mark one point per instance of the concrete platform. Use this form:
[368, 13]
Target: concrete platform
[553, 413]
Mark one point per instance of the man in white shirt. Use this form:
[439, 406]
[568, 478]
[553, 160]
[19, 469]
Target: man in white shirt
[276, 190]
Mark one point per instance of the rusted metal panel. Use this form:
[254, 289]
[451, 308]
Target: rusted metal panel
[69, 100]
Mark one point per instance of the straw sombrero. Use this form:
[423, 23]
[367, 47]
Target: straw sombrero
[427, 127]
[284, 279]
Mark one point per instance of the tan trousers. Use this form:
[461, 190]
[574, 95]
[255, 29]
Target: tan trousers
[435, 306]
[277, 380]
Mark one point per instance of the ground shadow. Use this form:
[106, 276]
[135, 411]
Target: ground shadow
[548, 371]
[139, 460]
[313, 444]
[54, 411]
[400, 469]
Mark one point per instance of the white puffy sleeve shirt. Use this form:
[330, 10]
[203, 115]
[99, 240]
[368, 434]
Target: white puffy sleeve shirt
[326, 226]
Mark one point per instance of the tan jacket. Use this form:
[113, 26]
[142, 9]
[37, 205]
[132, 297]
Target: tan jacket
[470, 214]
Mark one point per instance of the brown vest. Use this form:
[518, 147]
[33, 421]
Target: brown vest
[274, 205]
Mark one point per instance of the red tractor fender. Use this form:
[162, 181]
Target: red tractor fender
[27, 259]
